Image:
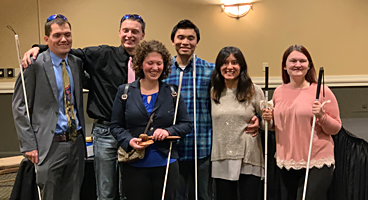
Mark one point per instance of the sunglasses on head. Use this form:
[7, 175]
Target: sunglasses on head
[129, 16]
[52, 17]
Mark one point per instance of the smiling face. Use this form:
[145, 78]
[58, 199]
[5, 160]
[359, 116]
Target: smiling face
[230, 70]
[60, 39]
[152, 66]
[297, 65]
[185, 42]
[131, 34]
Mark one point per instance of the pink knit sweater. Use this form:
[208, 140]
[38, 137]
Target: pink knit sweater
[293, 120]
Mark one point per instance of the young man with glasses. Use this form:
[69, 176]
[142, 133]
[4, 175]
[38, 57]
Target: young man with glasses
[107, 67]
[51, 129]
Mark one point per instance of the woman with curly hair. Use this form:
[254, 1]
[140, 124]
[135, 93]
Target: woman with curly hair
[237, 156]
[149, 97]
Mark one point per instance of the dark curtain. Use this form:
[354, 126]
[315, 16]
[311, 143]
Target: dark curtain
[24, 187]
[350, 181]
[350, 177]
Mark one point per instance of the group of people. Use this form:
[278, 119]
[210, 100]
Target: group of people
[133, 89]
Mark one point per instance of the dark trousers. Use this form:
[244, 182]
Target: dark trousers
[142, 183]
[60, 175]
[246, 188]
[319, 181]
[186, 180]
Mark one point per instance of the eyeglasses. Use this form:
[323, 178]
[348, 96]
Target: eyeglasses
[129, 16]
[52, 17]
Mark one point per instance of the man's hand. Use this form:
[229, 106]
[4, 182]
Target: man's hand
[27, 56]
[253, 126]
[32, 156]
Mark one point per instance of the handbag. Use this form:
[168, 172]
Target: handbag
[134, 154]
[130, 156]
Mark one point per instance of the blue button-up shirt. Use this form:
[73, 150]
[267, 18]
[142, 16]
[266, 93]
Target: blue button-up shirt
[203, 106]
[62, 123]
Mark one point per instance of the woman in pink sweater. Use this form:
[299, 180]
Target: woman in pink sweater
[295, 105]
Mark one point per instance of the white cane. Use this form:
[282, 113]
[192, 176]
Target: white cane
[168, 157]
[195, 128]
[321, 71]
[266, 133]
[24, 90]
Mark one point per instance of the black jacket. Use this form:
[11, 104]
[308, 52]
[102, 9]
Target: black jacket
[129, 118]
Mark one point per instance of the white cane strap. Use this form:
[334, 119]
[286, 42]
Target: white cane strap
[269, 105]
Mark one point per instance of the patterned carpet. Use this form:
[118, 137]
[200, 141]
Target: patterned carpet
[6, 185]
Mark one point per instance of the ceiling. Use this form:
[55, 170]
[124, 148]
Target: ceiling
[219, 2]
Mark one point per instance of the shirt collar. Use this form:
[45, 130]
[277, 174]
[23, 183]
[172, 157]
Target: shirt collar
[190, 64]
[56, 60]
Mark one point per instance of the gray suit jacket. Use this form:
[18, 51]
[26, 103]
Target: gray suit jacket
[41, 88]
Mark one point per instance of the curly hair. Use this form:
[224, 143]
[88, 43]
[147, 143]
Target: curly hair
[143, 49]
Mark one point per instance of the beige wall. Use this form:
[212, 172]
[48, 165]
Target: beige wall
[334, 31]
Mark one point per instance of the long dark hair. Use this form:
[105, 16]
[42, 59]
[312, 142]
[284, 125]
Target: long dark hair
[245, 88]
[311, 74]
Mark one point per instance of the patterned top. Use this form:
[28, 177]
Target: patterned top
[203, 106]
[235, 152]
[230, 118]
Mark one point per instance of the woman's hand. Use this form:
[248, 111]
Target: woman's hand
[317, 109]
[160, 134]
[134, 142]
[267, 114]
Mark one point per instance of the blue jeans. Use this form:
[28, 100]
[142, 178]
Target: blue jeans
[186, 180]
[105, 148]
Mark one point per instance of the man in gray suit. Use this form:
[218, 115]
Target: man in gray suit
[53, 137]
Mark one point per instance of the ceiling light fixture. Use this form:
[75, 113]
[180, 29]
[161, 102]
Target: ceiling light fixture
[237, 10]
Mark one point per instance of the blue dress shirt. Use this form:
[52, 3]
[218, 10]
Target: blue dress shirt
[62, 123]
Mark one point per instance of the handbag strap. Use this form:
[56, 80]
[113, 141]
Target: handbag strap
[149, 122]
[174, 94]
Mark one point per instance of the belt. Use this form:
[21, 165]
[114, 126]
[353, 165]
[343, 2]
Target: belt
[65, 136]
[99, 121]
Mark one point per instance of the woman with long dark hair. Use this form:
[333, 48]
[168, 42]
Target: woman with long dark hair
[237, 156]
